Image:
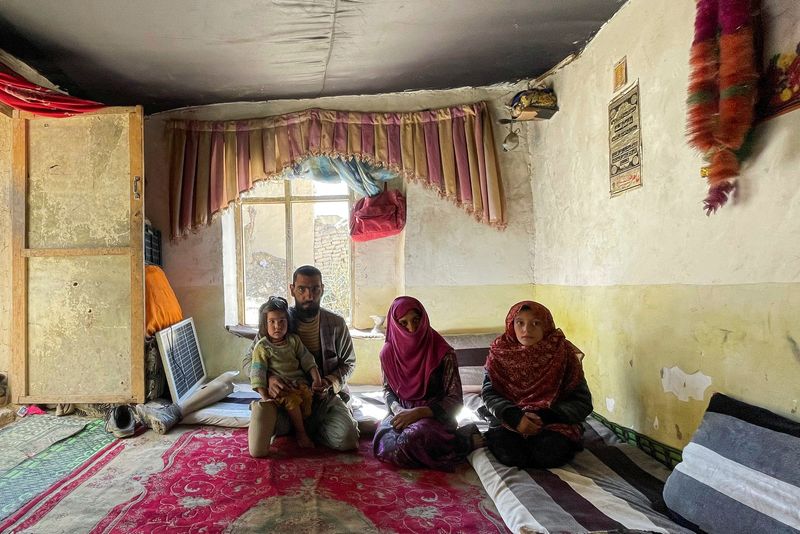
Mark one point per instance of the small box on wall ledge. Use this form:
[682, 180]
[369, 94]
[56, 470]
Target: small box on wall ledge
[534, 104]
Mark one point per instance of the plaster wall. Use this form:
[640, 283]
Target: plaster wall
[646, 282]
[466, 273]
[5, 243]
[469, 274]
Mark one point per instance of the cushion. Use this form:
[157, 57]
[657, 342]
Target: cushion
[740, 472]
[471, 352]
[471, 378]
[232, 411]
[161, 306]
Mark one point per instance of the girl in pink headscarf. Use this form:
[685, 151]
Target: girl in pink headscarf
[422, 390]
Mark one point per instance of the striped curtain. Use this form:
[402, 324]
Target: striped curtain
[450, 150]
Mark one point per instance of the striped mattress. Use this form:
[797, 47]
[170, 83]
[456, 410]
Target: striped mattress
[610, 486]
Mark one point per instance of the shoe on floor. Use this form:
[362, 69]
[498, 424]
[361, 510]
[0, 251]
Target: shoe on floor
[120, 421]
[160, 419]
[65, 409]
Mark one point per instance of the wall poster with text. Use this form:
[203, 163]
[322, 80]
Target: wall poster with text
[625, 142]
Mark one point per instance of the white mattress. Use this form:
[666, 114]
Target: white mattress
[232, 411]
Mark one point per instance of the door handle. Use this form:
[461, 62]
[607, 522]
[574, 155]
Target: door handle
[136, 181]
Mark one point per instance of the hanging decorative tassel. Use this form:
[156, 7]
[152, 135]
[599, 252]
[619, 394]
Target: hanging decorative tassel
[721, 91]
[737, 73]
[703, 100]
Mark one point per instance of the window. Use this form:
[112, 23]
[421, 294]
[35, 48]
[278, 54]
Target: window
[283, 224]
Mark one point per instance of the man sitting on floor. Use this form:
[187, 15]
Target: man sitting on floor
[326, 336]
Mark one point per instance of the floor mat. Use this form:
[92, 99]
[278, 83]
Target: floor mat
[202, 479]
[29, 436]
[31, 477]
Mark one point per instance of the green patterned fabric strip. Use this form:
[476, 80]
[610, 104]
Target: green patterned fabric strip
[28, 479]
[665, 454]
[28, 437]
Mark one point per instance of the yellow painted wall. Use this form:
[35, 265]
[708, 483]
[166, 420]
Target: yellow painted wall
[744, 337]
[372, 301]
[368, 367]
[645, 282]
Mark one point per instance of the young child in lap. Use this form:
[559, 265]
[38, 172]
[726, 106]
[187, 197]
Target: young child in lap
[284, 355]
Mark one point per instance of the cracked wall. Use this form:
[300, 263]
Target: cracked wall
[669, 305]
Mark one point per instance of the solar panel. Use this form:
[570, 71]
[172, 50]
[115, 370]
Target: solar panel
[183, 362]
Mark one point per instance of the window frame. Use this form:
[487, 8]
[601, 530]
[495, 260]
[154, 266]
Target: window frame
[287, 200]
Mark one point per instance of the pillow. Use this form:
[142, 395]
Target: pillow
[471, 352]
[740, 472]
[160, 304]
[471, 378]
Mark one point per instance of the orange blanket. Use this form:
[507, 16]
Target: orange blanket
[161, 307]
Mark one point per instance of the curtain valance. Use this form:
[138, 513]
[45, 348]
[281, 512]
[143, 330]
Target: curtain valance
[450, 150]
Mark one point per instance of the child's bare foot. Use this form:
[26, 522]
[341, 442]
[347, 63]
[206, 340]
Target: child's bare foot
[304, 441]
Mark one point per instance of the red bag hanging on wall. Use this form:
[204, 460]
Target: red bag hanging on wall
[379, 216]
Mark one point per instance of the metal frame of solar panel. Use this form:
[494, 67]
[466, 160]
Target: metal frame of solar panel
[182, 359]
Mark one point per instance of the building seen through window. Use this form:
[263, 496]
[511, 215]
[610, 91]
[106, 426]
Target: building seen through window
[283, 224]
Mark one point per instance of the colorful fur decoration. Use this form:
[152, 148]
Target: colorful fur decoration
[722, 91]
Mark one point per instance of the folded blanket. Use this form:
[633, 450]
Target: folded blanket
[740, 472]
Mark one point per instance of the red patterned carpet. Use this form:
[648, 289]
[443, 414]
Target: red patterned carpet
[203, 480]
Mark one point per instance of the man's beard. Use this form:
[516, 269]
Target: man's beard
[307, 312]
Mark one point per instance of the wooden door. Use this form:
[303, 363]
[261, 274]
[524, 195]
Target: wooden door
[77, 231]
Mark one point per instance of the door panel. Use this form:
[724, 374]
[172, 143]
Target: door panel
[78, 265]
[79, 343]
[78, 182]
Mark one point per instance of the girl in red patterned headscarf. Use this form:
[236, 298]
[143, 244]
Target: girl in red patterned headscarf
[534, 391]
[422, 389]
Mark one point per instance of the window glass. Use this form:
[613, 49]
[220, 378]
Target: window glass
[321, 237]
[313, 188]
[272, 246]
[263, 255]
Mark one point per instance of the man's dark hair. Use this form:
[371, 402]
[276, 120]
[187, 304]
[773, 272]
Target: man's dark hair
[306, 270]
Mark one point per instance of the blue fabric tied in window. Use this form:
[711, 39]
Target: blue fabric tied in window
[363, 178]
